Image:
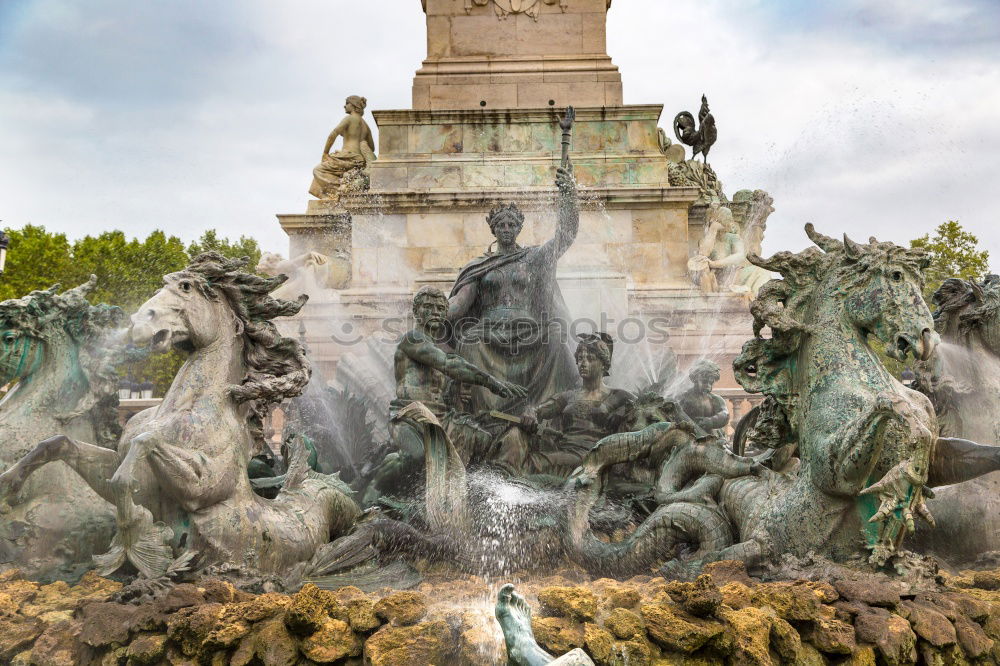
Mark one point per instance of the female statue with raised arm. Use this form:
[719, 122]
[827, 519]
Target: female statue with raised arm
[506, 308]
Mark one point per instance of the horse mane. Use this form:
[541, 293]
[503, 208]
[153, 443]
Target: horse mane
[89, 327]
[976, 304]
[276, 366]
[785, 305]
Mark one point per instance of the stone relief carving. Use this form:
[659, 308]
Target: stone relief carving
[504, 8]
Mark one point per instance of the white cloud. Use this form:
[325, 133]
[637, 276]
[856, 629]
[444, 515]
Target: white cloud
[865, 117]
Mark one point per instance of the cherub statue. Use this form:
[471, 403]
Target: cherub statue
[701, 139]
[705, 408]
[358, 151]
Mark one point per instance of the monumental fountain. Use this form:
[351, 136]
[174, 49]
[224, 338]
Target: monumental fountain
[503, 442]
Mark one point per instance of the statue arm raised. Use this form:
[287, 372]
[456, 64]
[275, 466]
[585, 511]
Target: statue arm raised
[569, 213]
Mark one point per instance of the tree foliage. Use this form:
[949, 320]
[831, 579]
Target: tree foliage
[954, 253]
[244, 247]
[129, 271]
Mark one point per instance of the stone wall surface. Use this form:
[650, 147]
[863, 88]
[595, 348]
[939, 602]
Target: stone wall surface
[725, 617]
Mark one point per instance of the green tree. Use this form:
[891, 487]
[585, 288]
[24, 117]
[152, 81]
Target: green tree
[36, 259]
[129, 271]
[244, 247]
[954, 253]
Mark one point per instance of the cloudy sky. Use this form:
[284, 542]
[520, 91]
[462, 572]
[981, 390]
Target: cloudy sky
[864, 116]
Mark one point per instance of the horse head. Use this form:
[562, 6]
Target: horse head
[186, 313]
[65, 349]
[974, 311]
[883, 297]
[26, 325]
[214, 297]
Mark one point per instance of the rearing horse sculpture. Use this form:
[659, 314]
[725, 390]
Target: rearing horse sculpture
[868, 445]
[964, 383]
[62, 352]
[178, 478]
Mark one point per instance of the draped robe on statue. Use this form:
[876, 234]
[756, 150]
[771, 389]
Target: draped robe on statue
[518, 326]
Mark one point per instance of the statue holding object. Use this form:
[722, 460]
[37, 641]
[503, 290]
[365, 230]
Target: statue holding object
[506, 310]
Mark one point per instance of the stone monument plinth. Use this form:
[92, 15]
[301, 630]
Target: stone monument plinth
[484, 130]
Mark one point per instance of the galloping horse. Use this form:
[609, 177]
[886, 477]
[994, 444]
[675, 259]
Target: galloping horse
[178, 478]
[62, 353]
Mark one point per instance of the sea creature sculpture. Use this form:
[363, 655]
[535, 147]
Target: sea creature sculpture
[963, 381]
[700, 138]
[60, 353]
[178, 478]
[868, 445]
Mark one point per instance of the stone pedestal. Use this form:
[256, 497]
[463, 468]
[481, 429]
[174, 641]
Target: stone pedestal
[445, 163]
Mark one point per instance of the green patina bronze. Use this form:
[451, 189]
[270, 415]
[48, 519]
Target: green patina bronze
[60, 352]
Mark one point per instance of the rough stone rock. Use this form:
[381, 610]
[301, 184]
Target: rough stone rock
[333, 641]
[633, 653]
[14, 593]
[311, 607]
[226, 634]
[557, 634]
[576, 603]
[785, 640]
[674, 632]
[974, 641]
[402, 608]
[59, 596]
[749, 634]
[680, 659]
[986, 580]
[360, 614]
[863, 655]
[260, 607]
[599, 644]
[872, 592]
[480, 646]
[17, 635]
[943, 656]
[736, 595]
[826, 592]
[810, 656]
[890, 633]
[106, 624]
[975, 609]
[181, 596]
[929, 624]
[59, 645]
[623, 597]
[269, 644]
[147, 649]
[625, 624]
[417, 645]
[791, 601]
[700, 598]
[221, 591]
[832, 636]
[190, 627]
[728, 571]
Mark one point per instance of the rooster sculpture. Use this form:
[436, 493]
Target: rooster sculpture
[700, 139]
